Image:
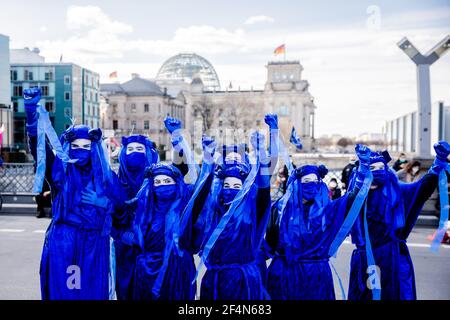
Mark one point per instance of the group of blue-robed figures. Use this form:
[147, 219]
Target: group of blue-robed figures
[133, 235]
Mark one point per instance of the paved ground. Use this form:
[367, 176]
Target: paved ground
[21, 239]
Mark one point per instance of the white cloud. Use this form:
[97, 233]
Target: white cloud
[43, 29]
[352, 71]
[92, 17]
[256, 19]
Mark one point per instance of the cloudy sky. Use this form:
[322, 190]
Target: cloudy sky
[357, 74]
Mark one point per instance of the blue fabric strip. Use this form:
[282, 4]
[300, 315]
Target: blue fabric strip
[341, 286]
[45, 128]
[376, 292]
[443, 197]
[353, 213]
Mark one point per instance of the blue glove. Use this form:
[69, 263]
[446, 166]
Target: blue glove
[363, 153]
[172, 124]
[209, 148]
[271, 120]
[89, 196]
[442, 149]
[31, 96]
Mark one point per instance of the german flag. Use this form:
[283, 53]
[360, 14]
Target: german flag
[279, 50]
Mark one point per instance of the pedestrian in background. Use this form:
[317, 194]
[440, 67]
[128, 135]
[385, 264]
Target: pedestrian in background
[334, 192]
[400, 163]
[410, 173]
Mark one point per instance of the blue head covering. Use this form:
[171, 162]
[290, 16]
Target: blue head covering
[387, 196]
[133, 179]
[292, 209]
[145, 212]
[70, 177]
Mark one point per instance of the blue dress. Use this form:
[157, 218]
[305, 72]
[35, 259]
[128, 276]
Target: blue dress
[391, 214]
[232, 266]
[301, 242]
[165, 268]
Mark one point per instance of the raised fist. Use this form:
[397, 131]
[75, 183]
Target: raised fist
[31, 96]
[271, 120]
[172, 124]
[363, 153]
[442, 149]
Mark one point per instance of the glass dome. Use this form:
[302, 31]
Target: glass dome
[185, 66]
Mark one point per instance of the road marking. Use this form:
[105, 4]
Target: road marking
[12, 230]
[39, 231]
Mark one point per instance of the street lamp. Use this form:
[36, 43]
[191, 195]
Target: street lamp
[423, 63]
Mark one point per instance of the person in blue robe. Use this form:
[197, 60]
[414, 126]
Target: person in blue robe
[303, 227]
[75, 261]
[392, 211]
[164, 267]
[137, 153]
[228, 225]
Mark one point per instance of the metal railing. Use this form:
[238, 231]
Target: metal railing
[17, 178]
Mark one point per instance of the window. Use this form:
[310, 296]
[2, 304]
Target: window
[133, 124]
[90, 94]
[146, 107]
[115, 124]
[13, 75]
[15, 106]
[67, 80]
[89, 109]
[146, 125]
[67, 95]
[49, 106]
[44, 90]
[133, 107]
[28, 75]
[17, 91]
[49, 76]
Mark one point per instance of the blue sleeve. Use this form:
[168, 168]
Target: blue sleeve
[414, 196]
[31, 125]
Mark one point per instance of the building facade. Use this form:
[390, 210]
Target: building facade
[139, 106]
[230, 115]
[70, 94]
[6, 122]
[401, 133]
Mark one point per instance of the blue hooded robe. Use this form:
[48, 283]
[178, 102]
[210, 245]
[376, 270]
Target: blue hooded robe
[164, 268]
[300, 235]
[131, 177]
[77, 241]
[392, 211]
[228, 237]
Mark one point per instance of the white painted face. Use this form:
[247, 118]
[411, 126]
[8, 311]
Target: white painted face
[163, 180]
[311, 177]
[135, 147]
[81, 144]
[377, 166]
[233, 156]
[373, 167]
[232, 183]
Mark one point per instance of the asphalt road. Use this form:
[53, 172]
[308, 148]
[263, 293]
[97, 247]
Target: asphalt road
[21, 239]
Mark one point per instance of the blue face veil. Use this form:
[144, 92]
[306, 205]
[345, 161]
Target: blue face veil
[151, 198]
[132, 166]
[91, 165]
[302, 201]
